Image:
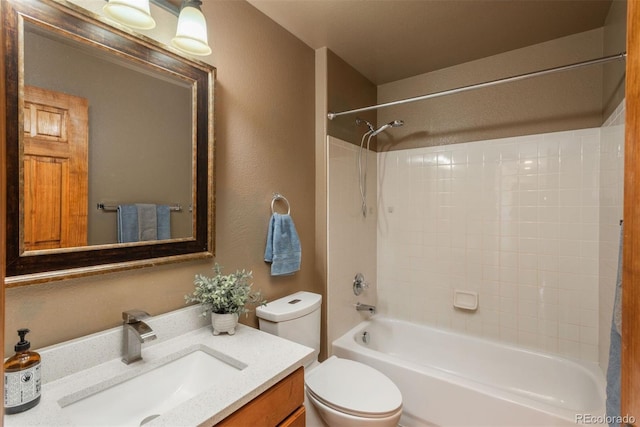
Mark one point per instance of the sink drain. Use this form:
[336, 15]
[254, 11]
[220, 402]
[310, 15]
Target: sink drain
[149, 419]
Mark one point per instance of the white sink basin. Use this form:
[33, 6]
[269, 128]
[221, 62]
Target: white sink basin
[140, 399]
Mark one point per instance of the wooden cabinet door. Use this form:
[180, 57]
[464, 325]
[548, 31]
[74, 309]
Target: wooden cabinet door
[55, 169]
[278, 406]
[297, 419]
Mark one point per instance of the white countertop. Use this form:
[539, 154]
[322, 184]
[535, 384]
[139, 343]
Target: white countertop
[81, 367]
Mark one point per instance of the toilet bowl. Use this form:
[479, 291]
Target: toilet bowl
[347, 393]
[344, 392]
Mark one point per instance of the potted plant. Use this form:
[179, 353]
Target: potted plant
[224, 296]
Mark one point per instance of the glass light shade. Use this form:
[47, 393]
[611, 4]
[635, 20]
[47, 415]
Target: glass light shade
[132, 13]
[191, 34]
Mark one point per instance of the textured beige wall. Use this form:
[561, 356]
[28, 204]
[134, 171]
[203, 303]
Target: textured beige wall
[615, 41]
[569, 100]
[264, 143]
[265, 140]
[348, 89]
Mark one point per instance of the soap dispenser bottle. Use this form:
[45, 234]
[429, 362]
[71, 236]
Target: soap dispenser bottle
[21, 377]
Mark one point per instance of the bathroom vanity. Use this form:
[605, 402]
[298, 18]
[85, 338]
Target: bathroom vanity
[250, 378]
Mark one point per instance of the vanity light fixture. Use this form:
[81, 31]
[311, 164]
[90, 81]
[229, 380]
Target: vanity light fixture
[132, 13]
[191, 34]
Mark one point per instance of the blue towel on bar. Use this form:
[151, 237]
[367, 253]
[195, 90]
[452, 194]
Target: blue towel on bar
[127, 223]
[283, 249]
[613, 370]
[147, 222]
[163, 220]
[143, 222]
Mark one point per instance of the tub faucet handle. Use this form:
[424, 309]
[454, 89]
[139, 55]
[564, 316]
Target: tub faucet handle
[359, 284]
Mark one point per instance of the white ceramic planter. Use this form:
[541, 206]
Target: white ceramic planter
[224, 323]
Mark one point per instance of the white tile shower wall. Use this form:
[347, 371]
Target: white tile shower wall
[351, 237]
[515, 220]
[611, 196]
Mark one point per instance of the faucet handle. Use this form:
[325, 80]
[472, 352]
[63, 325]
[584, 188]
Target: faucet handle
[133, 316]
[359, 284]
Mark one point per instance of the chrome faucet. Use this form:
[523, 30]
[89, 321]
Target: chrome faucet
[366, 307]
[135, 333]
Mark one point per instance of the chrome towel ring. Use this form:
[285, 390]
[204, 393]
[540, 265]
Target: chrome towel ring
[276, 197]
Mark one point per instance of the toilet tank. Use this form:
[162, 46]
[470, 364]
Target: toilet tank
[295, 317]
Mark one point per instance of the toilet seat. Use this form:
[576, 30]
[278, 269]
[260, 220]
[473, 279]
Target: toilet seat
[353, 388]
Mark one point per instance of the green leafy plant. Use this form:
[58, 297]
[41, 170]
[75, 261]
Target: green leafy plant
[225, 293]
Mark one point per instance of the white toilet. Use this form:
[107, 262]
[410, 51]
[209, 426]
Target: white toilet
[345, 393]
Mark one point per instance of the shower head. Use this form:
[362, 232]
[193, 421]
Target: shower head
[394, 124]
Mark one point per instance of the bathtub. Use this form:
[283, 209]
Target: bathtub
[451, 379]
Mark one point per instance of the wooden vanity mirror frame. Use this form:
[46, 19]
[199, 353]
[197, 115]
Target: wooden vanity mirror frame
[71, 21]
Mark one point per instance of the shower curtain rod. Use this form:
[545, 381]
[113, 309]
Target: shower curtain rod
[519, 77]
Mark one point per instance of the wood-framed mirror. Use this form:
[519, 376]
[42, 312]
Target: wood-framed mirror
[99, 120]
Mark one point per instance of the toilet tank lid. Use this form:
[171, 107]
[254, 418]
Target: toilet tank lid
[290, 307]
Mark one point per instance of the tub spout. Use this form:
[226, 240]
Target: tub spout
[366, 307]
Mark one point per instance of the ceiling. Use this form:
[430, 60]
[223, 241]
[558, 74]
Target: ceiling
[388, 40]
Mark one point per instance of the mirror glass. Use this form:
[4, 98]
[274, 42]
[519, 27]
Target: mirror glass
[137, 139]
[109, 147]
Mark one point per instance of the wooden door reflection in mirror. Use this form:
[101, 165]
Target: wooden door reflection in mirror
[55, 163]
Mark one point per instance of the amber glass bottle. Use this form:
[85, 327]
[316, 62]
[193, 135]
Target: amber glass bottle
[21, 378]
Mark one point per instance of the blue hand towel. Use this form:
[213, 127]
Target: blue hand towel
[143, 222]
[283, 249]
[163, 220]
[613, 370]
[147, 222]
[127, 223]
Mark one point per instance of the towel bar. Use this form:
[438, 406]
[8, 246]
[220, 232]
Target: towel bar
[276, 197]
[113, 208]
